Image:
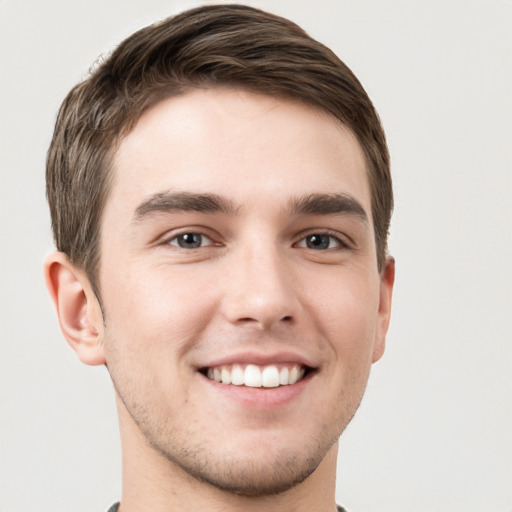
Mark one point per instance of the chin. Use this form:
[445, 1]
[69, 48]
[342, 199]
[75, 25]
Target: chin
[256, 467]
[251, 478]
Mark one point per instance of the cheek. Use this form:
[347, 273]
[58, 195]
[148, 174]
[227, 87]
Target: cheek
[347, 312]
[152, 320]
[154, 309]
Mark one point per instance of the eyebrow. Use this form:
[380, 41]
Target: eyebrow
[328, 204]
[164, 202]
[310, 204]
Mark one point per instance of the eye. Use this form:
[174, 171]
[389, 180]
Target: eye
[190, 240]
[320, 242]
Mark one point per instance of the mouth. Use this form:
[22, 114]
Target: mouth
[257, 376]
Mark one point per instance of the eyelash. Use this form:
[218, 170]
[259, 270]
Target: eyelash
[302, 243]
[332, 236]
[176, 239]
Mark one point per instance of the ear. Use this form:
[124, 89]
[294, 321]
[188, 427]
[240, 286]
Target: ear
[78, 309]
[387, 279]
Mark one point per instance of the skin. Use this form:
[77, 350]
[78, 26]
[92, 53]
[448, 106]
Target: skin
[256, 288]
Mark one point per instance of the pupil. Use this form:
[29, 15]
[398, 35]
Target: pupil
[189, 240]
[318, 242]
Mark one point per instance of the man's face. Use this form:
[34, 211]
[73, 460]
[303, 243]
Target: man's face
[237, 245]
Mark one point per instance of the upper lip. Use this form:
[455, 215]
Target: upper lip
[260, 358]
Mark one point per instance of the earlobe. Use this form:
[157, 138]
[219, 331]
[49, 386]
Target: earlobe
[387, 280]
[78, 309]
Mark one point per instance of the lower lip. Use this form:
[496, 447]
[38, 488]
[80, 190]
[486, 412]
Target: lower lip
[260, 397]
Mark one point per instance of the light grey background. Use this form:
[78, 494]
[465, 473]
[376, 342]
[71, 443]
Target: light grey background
[434, 432]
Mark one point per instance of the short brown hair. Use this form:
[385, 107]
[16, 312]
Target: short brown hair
[216, 45]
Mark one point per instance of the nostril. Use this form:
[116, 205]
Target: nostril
[247, 319]
[286, 318]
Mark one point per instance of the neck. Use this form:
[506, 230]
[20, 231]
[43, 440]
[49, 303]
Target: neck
[153, 483]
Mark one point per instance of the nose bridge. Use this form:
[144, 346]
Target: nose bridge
[261, 289]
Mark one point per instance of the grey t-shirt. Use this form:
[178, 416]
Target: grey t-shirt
[113, 508]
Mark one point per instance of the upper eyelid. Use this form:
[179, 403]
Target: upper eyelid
[215, 238]
[209, 242]
[340, 244]
[343, 239]
[170, 239]
[175, 232]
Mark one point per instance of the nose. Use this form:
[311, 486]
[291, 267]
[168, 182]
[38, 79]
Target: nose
[260, 289]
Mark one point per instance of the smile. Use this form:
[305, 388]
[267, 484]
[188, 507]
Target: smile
[255, 376]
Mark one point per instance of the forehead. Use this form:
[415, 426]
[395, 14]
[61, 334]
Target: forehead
[237, 143]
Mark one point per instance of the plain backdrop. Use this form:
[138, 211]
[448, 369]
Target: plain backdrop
[434, 432]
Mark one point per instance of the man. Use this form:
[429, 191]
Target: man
[220, 198]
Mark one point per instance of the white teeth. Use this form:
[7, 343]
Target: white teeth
[270, 377]
[294, 375]
[237, 375]
[225, 376]
[254, 376]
